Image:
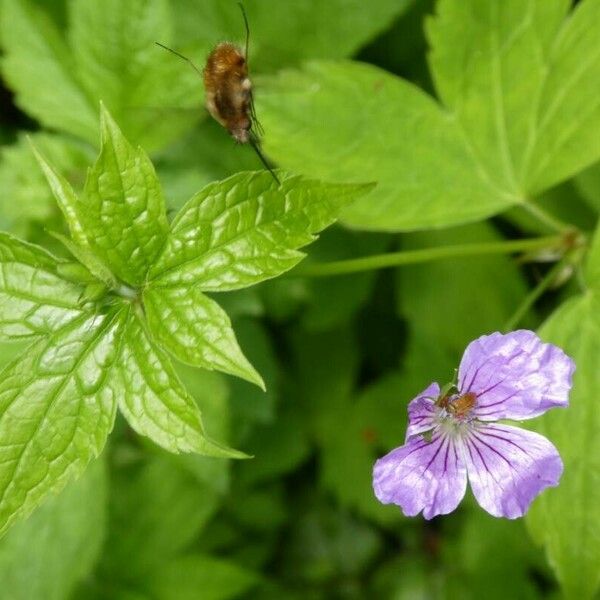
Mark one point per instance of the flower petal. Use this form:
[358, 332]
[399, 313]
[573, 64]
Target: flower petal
[422, 476]
[508, 467]
[421, 411]
[515, 375]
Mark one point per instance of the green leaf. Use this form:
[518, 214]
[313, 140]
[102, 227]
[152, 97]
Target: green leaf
[69, 205]
[44, 557]
[183, 578]
[39, 68]
[57, 407]
[284, 33]
[147, 89]
[520, 115]
[566, 519]
[65, 197]
[245, 229]
[521, 82]
[35, 298]
[90, 263]
[110, 56]
[568, 118]
[156, 512]
[196, 330]
[123, 211]
[154, 401]
[385, 130]
[24, 193]
[489, 63]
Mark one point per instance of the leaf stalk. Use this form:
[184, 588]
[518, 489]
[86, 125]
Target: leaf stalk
[407, 257]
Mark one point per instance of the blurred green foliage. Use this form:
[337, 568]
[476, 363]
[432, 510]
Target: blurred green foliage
[341, 357]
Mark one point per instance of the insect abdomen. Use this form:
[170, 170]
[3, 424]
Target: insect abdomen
[228, 89]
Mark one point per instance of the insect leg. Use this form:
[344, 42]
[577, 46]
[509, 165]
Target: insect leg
[259, 128]
[253, 141]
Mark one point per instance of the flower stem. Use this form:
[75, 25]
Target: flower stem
[546, 218]
[394, 259]
[535, 293]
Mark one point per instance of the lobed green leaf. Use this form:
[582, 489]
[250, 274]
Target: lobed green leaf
[246, 229]
[520, 115]
[35, 297]
[108, 54]
[385, 130]
[489, 61]
[154, 96]
[24, 193]
[57, 407]
[196, 330]
[123, 213]
[65, 197]
[568, 109]
[154, 401]
[38, 61]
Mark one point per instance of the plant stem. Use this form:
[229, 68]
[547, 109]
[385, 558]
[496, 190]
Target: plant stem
[127, 292]
[535, 293]
[394, 259]
[546, 218]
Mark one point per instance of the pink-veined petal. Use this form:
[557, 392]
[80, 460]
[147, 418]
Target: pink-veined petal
[421, 411]
[515, 375]
[422, 476]
[508, 467]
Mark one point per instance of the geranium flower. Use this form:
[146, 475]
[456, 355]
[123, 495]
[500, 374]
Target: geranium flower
[452, 436]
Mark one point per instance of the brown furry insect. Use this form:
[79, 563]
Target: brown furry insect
[229, 91]
[460, 406]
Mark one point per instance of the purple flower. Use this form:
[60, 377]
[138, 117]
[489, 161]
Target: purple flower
[452, 436]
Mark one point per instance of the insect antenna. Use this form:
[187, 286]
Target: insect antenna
[247, 29]
[187, 60]
[253, 141]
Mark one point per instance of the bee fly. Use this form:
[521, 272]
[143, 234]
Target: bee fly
[228, 91]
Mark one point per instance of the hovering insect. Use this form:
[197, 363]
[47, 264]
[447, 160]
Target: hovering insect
[228, 91]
